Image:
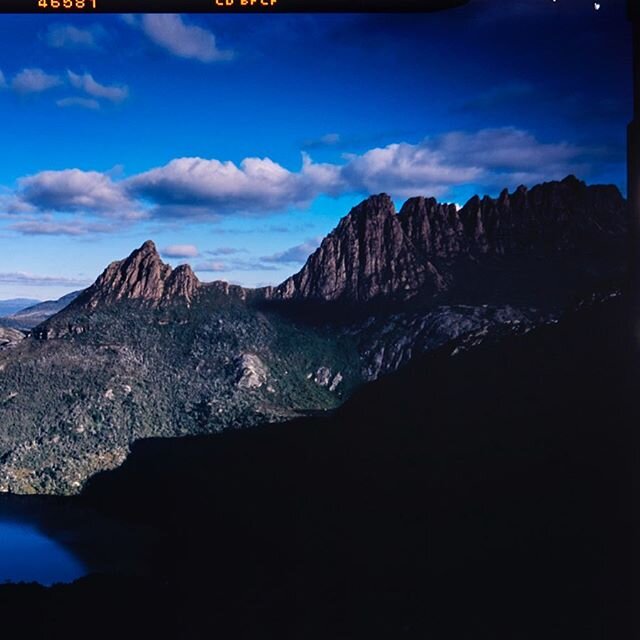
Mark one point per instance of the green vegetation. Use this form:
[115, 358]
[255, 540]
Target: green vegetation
[71, 405]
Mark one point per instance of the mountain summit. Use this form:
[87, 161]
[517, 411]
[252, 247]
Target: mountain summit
[142, 276]
[367, 256]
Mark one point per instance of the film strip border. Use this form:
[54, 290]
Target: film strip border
[226, 6]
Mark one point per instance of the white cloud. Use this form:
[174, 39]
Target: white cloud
[186, 41]
[74, 190]
[258, 185]
[86, 82]
[68, 36]
[86, 103]
[406, 169]
[327, 140]
[34, 81]
[181, 251]
[505, 148]
[491, 157]
[208, 189]
[12, 205]
[330, 138]
[3, 81]
[216, 266]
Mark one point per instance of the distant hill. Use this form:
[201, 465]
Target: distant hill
[31, 315]
[9, 307]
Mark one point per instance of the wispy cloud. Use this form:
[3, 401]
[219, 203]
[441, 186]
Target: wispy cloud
[212, 266]
[85, 103]
[30, 279]
[86, 83]
[66, 36]
[226, 266]
[52, 228]
[327, 140]
[34, 81]
[295, 255]
[3, 80]
[224, 251]
[180, 251]
[172, 33]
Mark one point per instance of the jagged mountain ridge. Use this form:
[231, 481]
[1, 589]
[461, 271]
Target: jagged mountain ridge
[375, 252]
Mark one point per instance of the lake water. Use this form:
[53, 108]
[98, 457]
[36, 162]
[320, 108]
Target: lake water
[49, 540]
[28, 555]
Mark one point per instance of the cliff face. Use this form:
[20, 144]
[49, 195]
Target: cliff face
[434, 229]
[368, 255]
[376, 253]
[142, 276]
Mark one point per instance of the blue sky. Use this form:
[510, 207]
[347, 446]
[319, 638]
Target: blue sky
[237, 142]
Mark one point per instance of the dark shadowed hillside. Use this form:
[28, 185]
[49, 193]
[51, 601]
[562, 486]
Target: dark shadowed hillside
[479, 492]
[489, 482]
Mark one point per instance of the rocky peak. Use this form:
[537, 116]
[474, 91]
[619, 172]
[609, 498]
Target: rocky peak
[142, 276]
[434, 228]
[182, 283]
[368, 255]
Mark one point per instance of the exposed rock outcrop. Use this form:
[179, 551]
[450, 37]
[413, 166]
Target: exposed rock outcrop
[367, 256]
[142, 276]
[10, 337]
[252, 372]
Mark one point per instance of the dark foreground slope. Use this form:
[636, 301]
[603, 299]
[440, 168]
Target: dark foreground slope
[478, 495]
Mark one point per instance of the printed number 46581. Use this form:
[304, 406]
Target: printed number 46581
[67, 4]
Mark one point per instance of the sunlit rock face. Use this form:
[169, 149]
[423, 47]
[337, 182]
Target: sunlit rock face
[142, 276]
